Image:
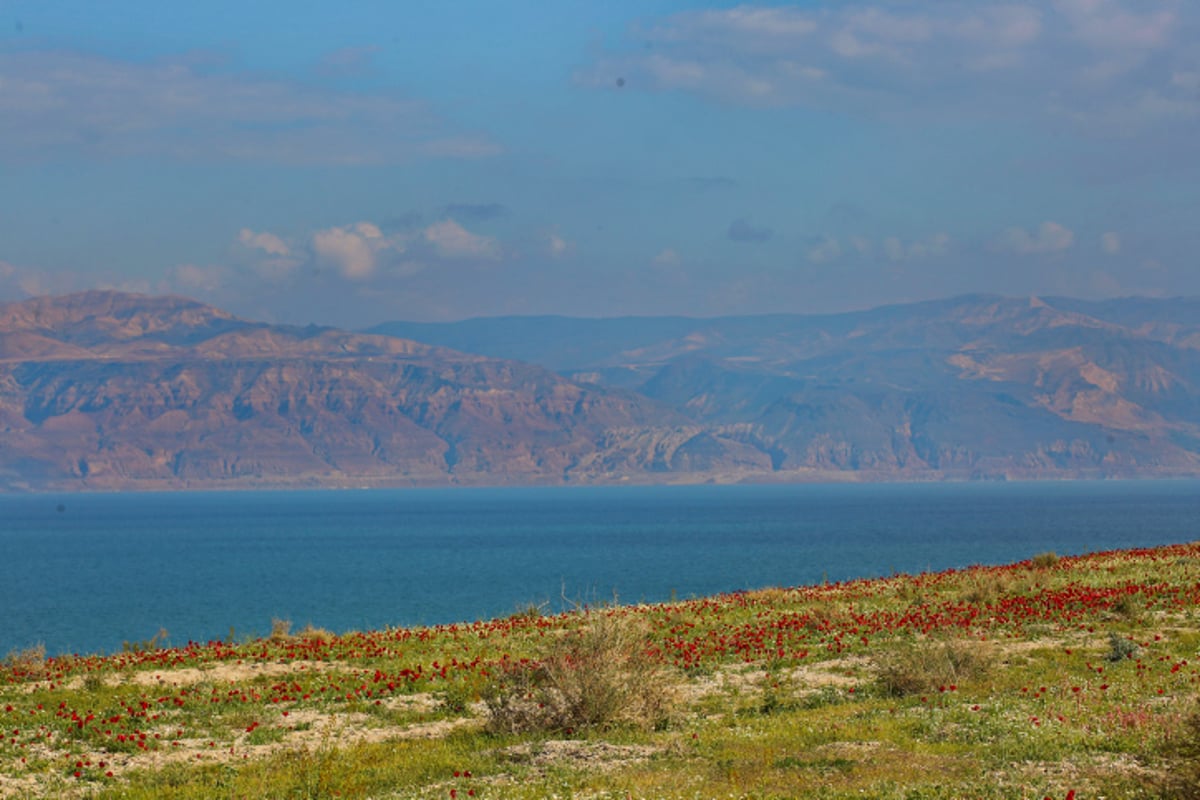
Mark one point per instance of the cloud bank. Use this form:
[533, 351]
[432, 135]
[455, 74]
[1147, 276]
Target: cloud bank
[1049, 238]
[64, 102]
[1113, 63]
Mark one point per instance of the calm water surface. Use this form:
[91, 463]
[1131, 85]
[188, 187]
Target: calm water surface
[83, 573]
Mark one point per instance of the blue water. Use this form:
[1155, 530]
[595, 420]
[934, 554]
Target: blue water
[85, 572]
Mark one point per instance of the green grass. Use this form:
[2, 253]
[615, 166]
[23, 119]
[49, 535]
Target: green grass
[1051, 675]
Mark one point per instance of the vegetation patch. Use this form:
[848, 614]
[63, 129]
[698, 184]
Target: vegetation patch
[1078, 674]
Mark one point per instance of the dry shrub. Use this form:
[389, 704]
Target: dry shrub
[310, 633]
[929, 665]
[155, 642]
[281, 629]
[769, 596]
[989, 586]
[23, 662]
[984, 588]
[1126, 607]
[529, 612]
[600, 675]
[827, 618]
[281, 632]
[1044, 560]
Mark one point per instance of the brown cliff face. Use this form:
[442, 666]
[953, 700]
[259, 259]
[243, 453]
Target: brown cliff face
[109, 390]
[106, 390]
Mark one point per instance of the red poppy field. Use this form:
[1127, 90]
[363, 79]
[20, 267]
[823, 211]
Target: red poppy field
[1031, 680]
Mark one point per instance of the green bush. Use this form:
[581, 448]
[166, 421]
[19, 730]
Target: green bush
[1120, 648]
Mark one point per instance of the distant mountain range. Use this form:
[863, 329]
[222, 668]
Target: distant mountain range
[970, 387]
[106, 390]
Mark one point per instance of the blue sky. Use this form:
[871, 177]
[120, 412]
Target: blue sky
[356, 162]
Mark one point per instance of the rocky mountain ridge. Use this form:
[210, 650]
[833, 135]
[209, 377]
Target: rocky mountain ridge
[974, 386]
[107, 390]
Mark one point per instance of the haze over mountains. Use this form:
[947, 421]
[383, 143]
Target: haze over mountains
[107, 390]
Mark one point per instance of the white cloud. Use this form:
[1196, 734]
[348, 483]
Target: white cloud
[451, 240]
[556, 245]
[1088, 60]
[1050, 237]
[62, 103]
[760, 26]
[267, 242]
[353, 249]
[667, 258]
[361, 252]
[18, 282]
[1114, 25]
[1110, 242]
[894, 248]
[897, 250]
[935, 245]
[268, 255]
[824, 250]
[346, 250]
[189, 278]
[861, 245]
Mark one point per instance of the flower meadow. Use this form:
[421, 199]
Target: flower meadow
[1052, 677]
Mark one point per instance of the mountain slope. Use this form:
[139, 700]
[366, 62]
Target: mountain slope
[108, 390]
[974, 386]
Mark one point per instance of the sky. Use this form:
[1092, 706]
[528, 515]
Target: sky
[355, 162]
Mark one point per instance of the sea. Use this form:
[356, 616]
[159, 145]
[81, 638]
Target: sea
[86, 573]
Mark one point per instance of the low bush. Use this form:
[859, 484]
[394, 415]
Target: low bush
[1045, 560]
[1120, 648]
[986, 587]
[1126, 607]
[310, 633]
[25, 661]
[281, 630]
[930, 665]
[601, 675]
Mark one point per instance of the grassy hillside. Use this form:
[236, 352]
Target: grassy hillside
[1037, 679]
